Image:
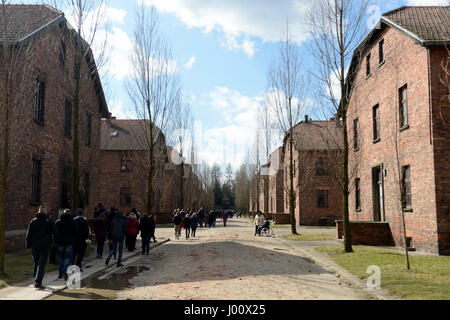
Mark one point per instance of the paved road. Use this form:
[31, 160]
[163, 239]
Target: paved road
[231, 263]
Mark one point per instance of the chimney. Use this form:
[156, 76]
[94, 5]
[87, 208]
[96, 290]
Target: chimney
[306, 118]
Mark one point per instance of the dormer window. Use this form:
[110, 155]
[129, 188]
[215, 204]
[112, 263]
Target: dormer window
[113, 134]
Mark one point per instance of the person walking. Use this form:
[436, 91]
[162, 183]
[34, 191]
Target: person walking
[40, 235]
[146, 227]
[206, 219]
[259, 220]
[152, 233]
[132, 231]
[117, 233]
[187, 225]
[100, 230]
[177, 220]
[194, 223]
[83, 233]
[65, 240]
[201, 217]
[225, 219]
[110, 218]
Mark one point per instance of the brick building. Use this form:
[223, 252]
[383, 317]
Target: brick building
[276, 182]
[124, 170]
[399, 120]
[41, 117]
[316, 157]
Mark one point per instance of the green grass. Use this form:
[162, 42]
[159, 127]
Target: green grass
[308, 237]
[428, 279]
[18, 268]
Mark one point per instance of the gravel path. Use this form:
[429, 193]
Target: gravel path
[231, 263]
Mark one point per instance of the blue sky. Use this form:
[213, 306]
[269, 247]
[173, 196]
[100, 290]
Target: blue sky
[223, 51]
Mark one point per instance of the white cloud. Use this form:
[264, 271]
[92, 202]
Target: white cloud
[427, 2]
[190, 63]
[241, 21]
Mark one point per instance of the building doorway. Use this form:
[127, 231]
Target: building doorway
[378, 193]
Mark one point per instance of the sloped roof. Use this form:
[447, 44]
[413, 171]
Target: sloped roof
[118, 135]
[318, 136]
[430, 23]
[24, 20]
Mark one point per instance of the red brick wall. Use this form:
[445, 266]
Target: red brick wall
[47, 142]
[439, 58]
[367, 233]
[405, 63]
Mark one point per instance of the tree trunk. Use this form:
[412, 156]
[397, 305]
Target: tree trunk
[291, 187]
[345, 183]
[182, 186]
[4, 181]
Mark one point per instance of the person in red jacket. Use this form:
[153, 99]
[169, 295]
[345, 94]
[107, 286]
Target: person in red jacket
[132, 232]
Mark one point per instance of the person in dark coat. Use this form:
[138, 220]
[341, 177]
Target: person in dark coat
[40, 234]
[110, 218]
[201, 217]
[81, 237]
[146, 226]
[194, 223]
[117, 233]
[138, 216]
[65, 240]
[100, 230]
[177, 220]
[152, 234]
[187, 225]
[132, 231]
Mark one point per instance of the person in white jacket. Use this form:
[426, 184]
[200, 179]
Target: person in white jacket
[259, 220]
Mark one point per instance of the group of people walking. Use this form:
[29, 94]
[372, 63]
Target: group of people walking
[71, 236]
[191, 220]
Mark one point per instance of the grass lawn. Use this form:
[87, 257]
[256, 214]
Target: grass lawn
[429, 278]
[308, 237]
[19, 267]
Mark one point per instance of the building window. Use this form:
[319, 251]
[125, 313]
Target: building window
[368, 71]
[86, 188]
[88, 130]
[125, 162]
[376, 123]
[125, 197]
[356, 134]
[321, 167]
[403, 93]
[68, 119]
[381, 51]
[36, 176]
[406, 186]
[322, 198]
[39, 101]
[294, 169]
[358, 194]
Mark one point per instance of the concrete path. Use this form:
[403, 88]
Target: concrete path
[91, 266]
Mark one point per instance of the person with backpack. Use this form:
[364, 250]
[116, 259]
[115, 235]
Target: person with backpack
[225, 219]
[117, 234]
[100, 230]
[132, 231]
[65, 240]
[146, 226]
[83, 232]
[40, 234]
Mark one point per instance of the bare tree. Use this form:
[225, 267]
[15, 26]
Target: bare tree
[336, 27]
[287, 88]
[16, 75]
[154, 89]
